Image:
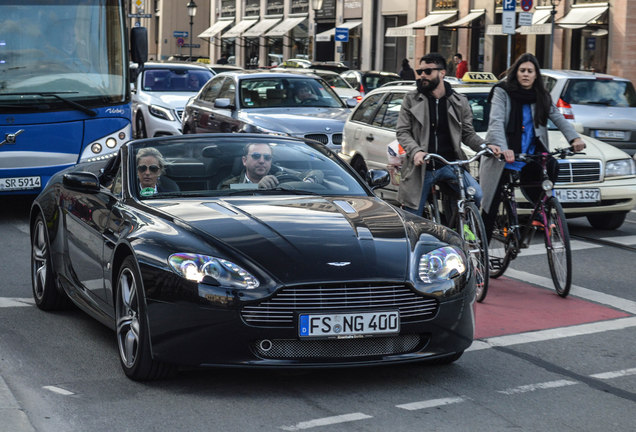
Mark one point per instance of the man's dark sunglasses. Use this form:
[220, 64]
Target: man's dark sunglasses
[427, 71]
[257, 156]
[152, 168]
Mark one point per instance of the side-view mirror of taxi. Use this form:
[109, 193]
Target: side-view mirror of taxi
[223, 103]
[378, 178]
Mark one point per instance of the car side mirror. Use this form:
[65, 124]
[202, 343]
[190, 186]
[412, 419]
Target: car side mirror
[352, 102]
[81, 181]
[378, 178]
[223, 103]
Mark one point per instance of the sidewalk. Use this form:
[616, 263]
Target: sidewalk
[13, 418]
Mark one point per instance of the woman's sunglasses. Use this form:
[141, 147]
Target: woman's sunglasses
[257, 156]
[427, 71]
[152, 168]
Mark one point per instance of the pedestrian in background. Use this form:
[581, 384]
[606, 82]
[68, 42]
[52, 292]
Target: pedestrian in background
[520, 107]
[407, 72]
[461, 66]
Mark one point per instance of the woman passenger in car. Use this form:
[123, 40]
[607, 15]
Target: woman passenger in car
[150, 165]
[520, 109]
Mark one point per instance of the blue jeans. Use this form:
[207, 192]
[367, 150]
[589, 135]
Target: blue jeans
[447, 175]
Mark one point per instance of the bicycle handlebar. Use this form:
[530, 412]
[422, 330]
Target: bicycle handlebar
[477, 155]
[562, 152]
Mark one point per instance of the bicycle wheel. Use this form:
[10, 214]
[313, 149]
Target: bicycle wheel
[474, 233]
[557, 244]
[502, 241]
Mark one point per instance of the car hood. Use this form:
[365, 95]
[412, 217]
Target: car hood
[306, 239]
[298, 120]
[171, 100]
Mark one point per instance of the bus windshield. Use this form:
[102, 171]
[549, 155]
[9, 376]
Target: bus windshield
[55, 52]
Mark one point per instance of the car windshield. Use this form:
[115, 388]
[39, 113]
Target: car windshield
[287, 92]
[174, 80]
[334, 80]
[373, 81]
[481, 110]
[606, 92]
[218, 166]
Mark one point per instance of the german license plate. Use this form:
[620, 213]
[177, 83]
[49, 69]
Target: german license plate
[20, 183]
[578, 195]
[610, 134]
[349, 324]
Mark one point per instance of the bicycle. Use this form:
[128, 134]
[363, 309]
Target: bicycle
[509, 237]
[464, 217]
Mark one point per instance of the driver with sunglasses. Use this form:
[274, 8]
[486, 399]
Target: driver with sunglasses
[436, 119]
[150, 166]
[257, 163]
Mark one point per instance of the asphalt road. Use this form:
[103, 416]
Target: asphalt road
[574, 369]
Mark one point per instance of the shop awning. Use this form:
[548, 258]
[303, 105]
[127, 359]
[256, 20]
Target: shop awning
[581, 15]
[541, 15]
[262, 26]
[432, 19]
[216, 28]
[328, 34]
[473, 15]
[283, 28]
[238, 29]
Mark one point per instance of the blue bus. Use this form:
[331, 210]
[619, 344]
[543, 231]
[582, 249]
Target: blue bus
[64, 87]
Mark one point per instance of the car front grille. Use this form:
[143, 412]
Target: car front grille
[322, 138]
[180, 114]
[280, 310]
[336, 138]
[573, 171]
[338, 348]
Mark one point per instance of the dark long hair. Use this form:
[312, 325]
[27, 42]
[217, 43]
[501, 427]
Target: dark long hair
[544, 100]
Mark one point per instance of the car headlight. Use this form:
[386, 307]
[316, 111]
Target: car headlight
[197, 267]
[623, 167]
[161, 112]
[441, 264]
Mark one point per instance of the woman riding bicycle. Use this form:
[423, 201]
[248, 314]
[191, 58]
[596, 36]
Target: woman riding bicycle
[519, 113]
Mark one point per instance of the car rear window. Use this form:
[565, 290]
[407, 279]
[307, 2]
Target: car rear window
[599, 92]
[374, 81]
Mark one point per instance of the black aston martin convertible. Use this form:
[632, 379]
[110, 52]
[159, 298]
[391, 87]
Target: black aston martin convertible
[248, 250]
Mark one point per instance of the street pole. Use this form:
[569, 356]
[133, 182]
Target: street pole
[554, 4]
[192, 11]
[191, 22]
[316, 5]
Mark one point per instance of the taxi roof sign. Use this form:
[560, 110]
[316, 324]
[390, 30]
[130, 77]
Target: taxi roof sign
[479, 77]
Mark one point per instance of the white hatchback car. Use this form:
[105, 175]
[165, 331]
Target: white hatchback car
[599, 184]
[160, 93]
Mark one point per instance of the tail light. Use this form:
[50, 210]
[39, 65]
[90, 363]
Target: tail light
[358, 98]
[565, 109]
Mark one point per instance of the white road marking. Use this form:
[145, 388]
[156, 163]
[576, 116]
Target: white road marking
[432, 403]
[58, 390]
[538, 248]
[614, 374]
[551, 334]
[16, 301]
[327, 421]
[538, 386]
[623, 240]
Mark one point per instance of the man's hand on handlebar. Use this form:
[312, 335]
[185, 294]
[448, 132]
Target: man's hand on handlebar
[418, 159]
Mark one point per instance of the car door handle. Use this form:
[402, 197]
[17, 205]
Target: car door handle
[370, 138]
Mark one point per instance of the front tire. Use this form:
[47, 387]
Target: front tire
[502, 241]
[557, 244]
[43, 279]
[360, 167]
[474, 233]
[140, 127]
[607, 221]
[133, 336]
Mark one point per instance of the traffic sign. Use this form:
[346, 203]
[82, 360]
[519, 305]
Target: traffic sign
[508, 17]
[509, 5]
[342, 34]
[526, 5]
[178, 34]
[180, 41]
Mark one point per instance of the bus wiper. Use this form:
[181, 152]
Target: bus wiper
[74, 104]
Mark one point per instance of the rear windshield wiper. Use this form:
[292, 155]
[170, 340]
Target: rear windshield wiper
[72, 103]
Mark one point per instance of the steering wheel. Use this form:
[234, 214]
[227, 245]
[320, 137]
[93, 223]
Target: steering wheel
[288, 177]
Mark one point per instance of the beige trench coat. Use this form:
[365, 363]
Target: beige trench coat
[413, 127]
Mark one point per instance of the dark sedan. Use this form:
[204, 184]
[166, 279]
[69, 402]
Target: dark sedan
[210, 268]
[268, 102]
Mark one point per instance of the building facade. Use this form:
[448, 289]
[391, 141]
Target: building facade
[378, 34]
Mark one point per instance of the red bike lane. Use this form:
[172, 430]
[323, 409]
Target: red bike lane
[514, 307]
